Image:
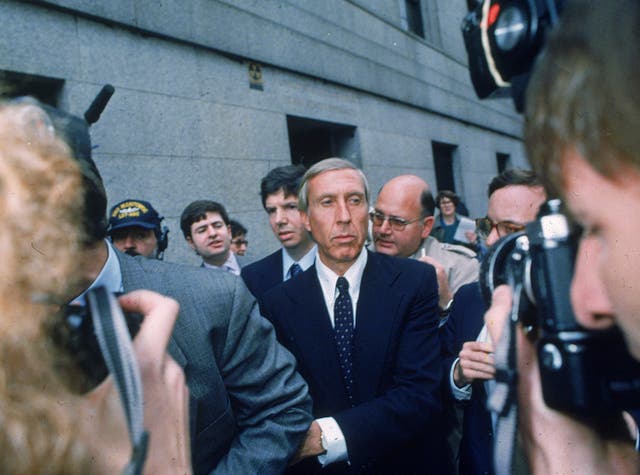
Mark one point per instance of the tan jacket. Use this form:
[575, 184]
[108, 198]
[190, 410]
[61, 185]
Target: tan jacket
[460, 262]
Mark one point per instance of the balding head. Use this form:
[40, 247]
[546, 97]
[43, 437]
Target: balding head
[408, 198]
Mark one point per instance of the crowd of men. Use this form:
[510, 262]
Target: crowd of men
[363, 344]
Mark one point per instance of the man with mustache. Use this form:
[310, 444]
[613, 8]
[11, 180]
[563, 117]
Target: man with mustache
[205, 225]
[279, 194]
[363, 327]
[135, 229]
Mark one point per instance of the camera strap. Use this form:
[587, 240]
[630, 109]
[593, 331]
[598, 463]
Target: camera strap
[503, 400]
[117, 350]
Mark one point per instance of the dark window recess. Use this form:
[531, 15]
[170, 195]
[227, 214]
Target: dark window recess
[504, 161]
[443, 164]
[313, 140]
[45, 89]
[414, 17]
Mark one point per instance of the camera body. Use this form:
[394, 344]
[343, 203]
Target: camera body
[502, 39]
[582, 371]
[75, 334]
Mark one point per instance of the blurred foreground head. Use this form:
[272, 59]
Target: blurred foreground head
[41, 209]
[583, 93]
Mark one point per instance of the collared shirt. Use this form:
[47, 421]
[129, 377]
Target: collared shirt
[305, 262]
[109, 277]
[328, 280]
[332, 435]
[230, 265]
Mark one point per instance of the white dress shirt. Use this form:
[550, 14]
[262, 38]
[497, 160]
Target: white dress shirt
[331, 433]
[109, 277]
[305, 262]
[230, 265]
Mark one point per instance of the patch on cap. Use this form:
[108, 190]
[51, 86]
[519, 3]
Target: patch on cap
[134, 213]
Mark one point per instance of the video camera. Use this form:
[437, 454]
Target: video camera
[582, 371]
[503, 39]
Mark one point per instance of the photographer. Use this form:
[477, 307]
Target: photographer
[582, 124]
[46, 427]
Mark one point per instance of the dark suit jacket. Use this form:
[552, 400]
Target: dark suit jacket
[464, 324]
[395, 424]
[249, 408]
[264, 274]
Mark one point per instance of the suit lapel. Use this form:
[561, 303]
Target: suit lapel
[310, 325]
[272, 270]
[375, 319]
[134, 277]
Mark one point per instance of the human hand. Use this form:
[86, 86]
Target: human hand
[311, 445]
[471, 236]
[166, 397]
[444, 292]
[556, 442]
[475, 361]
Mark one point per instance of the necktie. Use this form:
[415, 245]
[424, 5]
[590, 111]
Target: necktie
[294, 270]
[343, 318]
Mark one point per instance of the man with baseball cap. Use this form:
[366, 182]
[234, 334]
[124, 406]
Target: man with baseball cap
[134, 228]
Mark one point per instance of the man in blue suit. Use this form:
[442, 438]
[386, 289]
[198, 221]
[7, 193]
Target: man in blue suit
[279, 194]
[514, 198]
[363, 328]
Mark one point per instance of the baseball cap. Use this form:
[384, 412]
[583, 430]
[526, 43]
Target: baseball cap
[134, 212]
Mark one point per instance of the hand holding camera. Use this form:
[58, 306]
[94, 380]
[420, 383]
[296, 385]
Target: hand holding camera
[166, 397]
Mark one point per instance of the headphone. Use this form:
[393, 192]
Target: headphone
[162, 234]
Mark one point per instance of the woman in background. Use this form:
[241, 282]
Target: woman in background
[446, 224]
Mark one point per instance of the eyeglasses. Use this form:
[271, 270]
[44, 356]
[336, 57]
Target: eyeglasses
[239, 242]
[484, 226]
[397, 224]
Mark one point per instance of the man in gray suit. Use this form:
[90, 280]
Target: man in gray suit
[249, 409]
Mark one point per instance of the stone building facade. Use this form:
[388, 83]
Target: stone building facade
[211, 94]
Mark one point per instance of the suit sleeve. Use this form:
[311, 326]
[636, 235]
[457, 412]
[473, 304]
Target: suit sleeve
[411, 406]
[270, 399]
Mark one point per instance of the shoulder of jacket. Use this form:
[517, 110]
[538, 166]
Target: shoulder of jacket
[455, 248]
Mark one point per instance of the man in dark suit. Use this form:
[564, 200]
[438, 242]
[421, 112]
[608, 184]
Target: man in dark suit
[249, 409]
[514, 198]
[279, 194]
[363, 327]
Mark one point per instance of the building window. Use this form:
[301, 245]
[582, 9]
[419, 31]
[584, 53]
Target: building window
[503, 161]
[313, 140]
[445, 164]
[411, 16]
[46, 90]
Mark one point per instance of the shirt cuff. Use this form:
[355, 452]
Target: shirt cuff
[333, 441]
[460, 394]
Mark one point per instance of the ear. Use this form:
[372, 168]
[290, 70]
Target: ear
[190, 242]
[305, 220]
[427, 224]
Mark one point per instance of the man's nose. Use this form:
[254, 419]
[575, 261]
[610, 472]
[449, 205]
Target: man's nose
[281, 216]
[589, 297]
[493, 236]
[343, 214]
[129, 242]
[385, 227]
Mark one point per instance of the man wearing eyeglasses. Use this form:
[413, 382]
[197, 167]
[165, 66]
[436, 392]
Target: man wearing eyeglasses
[239, 241]
[514, 198]
[402, 221]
